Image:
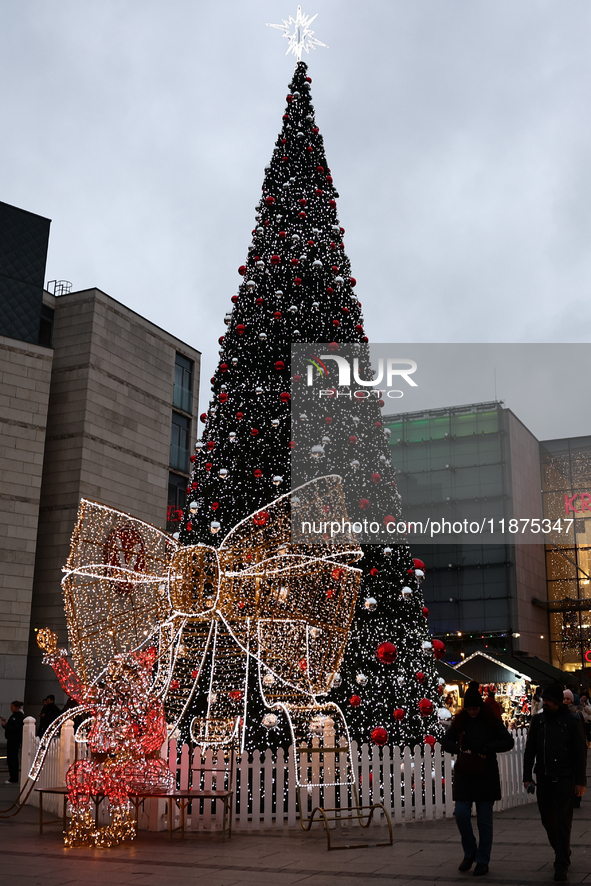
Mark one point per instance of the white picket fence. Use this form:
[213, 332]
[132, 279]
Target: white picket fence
[413, 785]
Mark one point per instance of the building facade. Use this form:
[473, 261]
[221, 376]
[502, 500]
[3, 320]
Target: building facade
[482, 461]
[92, 412]
[509, 599]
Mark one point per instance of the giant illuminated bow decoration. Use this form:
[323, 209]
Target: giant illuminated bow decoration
[270, 594]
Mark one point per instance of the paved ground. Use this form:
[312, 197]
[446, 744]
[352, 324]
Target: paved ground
[422, 853]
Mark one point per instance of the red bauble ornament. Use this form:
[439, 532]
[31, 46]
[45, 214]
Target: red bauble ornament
[174, 684]
[279, 365]
[295, 261]
[259, 301]
[418, 564]
[194, 674]
[270, 200]
[277, 315]
[320, 169]
[234, 299]
[420, 676]
[337, 573]
[275, 259]
[193, 458]
[303, 202]
[189, 527]
[203, 417]
[302, 214]
[239, 416]
[363, 503]
[440, 690]
[425, 707]
[430, 740]
[283, 235]
[333, 346]
[352, 281]
[359, 327]
[254, 432]
[329, 290]
[329, 179]
[345, 310]
[330, 593]
[285, 397]
[376, 478]
[261, 519]
[235, 695]
[399, 714]
[425, 611]
[210, 445]
[303, 664]
[223, 397]
[355, 701]
[257, 473]
[379, 736]
[223, 367]
[208, 466]
[353, 439]
[309, 148]
[285, 159]
[221, 340]
[215, 505]
[289, 98]
[389, 519]
[292, 444]
[386, 652]
[438, 649]
[297, 281]
[242, 270]
[240, 328]
[193, 486]
[336, 322]
[373, 571]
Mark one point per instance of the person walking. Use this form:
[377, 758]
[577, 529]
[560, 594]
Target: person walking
[13, 730]
[476, 735]
[556, 750]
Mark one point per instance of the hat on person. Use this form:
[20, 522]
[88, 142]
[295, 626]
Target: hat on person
[553, 693]
[473, 698]
[568, 696]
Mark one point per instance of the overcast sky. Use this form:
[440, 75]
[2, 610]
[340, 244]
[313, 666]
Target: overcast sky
[457, 131]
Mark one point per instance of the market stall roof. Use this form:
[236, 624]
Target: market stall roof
[450, 674]
[539, 671]
[485, 669]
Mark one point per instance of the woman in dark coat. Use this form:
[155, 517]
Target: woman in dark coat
[476, 735]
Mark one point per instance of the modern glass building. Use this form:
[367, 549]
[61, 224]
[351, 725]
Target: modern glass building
[477, 460]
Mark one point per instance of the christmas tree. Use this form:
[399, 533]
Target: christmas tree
[297, 288]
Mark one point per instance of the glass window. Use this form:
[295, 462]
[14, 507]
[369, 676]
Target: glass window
[179, 442]
[183, 384]
[177, 498]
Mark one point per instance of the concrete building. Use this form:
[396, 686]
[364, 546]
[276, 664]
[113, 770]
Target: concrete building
[509, 599]
[25, 372]
[107, 411]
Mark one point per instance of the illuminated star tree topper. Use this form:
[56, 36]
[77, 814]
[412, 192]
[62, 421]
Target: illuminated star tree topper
[301, 38]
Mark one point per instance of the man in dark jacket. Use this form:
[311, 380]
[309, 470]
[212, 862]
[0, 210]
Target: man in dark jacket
[13, 729]
[556, 744]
